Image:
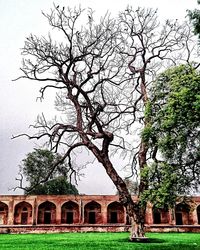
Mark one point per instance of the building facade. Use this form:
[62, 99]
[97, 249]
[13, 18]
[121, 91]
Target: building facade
[66, 213]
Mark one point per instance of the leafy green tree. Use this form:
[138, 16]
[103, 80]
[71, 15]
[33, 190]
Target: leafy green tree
[173, 134]
[57, 186]
[38, 170]
[195, 18]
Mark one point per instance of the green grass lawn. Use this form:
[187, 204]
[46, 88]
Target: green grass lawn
[99, 241]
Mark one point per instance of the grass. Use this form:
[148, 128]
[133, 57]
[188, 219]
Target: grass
[99, 241]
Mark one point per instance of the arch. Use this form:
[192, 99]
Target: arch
[92, 213]
[115, 213]
[46, 213]
[182, 212]
[198, 214]
[3, 213]
[23, 213]
[70, 212]
[160, 215]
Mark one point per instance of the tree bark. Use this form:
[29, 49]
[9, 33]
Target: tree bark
[134, 210]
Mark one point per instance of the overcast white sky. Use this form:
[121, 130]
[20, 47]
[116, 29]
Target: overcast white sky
[18, 106]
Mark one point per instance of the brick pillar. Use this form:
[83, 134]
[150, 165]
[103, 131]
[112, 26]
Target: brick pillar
[81, 211]
[172, 218]
[34, 212]
[194, 216]
[11, 212]
[149, 214]
[104, 213]
[58, 213]
[125, 217]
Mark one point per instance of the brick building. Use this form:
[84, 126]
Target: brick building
[66, 213]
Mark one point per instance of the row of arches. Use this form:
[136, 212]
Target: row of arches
[90, 213]
[70, 213]
[182, 215]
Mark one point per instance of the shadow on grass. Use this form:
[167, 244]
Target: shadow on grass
[150, 240]
[156, 240]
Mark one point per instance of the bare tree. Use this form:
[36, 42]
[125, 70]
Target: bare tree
[101, 74]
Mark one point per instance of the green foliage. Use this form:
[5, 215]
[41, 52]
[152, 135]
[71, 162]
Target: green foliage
[56, 186]
[148, 133]
[163, 183]
[175, 115]
[195, 18]
[173, 134]
[38, 165]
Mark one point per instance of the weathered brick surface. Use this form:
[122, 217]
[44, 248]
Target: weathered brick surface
[85, 213]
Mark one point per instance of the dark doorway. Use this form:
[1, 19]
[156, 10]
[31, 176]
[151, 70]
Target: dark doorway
[113, 217]
[156, 218]
[47, 217]
[24, 218]
[128, 220]
[198, 216]
[70, 217]
[115, 213]
[92, 218]
[179, 219]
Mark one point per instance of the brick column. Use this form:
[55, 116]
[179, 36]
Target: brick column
[81, 211]
[194, 216]
[104, 213]
[11, 212]
[172, 218]
[58, 213]
[34, 212]
[149, 214]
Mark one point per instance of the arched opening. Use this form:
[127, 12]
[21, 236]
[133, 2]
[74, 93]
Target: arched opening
[160, 215]
[3, 213]
[182, 214]
[47, 213]
[92, 213]
[23, 213]
[115, 213]
[156, 216]
[198, 214]
[70, 213]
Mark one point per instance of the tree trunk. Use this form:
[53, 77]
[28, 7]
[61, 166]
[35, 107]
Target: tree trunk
[137, 230]
[134, 210]
[137, 217]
